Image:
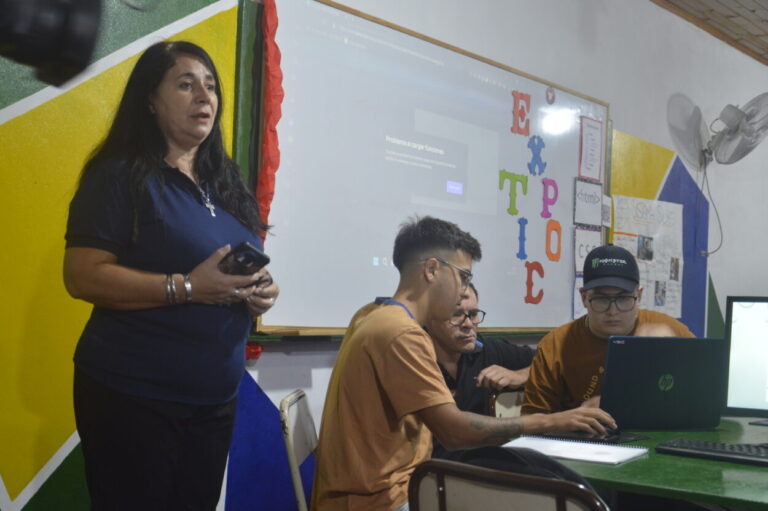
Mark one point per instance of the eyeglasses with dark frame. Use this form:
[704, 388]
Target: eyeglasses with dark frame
[603, 303]
[466, 275]
[476, 316]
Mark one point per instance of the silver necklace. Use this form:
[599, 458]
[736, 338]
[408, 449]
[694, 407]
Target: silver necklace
[206, 199]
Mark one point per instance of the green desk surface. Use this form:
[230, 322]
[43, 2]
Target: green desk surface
[664, 475]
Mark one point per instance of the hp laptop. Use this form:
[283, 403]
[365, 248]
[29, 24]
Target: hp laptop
[667, 383]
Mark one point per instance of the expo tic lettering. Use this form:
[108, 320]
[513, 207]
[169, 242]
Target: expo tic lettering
[535, 180]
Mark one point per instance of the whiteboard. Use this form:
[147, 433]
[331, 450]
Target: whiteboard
[380, 124]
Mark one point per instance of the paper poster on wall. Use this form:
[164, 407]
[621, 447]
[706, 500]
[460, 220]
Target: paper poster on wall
[578, 306]
[584, 240]
[607, 210]
[587, 203]
[653, 232]
[591, 149]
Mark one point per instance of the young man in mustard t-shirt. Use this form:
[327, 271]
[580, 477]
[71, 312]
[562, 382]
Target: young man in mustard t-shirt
[567, 370]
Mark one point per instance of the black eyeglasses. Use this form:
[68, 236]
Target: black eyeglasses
[476, 316]
[466, 275]
[603, 303]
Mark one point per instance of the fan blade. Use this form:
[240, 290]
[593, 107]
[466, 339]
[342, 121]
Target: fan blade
[688, 130]
[733, 144]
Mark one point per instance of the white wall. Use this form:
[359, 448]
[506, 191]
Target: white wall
[633, 55]
[285, 367]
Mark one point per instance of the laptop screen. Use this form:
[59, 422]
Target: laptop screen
[747, 333]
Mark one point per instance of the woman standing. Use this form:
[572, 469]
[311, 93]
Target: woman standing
[159, 362]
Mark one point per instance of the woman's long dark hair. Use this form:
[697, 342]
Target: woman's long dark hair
[135, 137]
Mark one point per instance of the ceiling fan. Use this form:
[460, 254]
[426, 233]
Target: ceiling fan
[734, 134]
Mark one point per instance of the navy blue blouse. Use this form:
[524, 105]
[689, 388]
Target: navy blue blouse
[189, 353]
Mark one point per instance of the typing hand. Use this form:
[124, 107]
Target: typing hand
[591, 421]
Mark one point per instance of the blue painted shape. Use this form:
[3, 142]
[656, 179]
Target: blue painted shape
[681, 188]
[258, 476]
[307, 471]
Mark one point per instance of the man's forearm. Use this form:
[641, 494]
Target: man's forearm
[494, 431]
[456, 429]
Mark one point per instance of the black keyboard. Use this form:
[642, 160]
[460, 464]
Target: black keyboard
[736, 453]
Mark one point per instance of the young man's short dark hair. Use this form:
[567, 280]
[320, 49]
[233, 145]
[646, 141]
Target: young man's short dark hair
[419, 237]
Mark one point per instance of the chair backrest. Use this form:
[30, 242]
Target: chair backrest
[506, 403]
[300, 437]
[442, 485]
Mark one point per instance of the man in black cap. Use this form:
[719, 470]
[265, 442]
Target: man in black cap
[568, 368]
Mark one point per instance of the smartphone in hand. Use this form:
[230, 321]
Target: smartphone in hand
[244, 259]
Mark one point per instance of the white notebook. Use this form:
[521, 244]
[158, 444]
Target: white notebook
[582, 451]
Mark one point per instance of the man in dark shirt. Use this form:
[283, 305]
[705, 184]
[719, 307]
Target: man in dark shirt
[475, 367]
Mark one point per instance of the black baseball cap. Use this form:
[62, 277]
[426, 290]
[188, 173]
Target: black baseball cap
[612, 266]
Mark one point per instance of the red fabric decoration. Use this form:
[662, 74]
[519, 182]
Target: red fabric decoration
[271, 113]
[253, 350]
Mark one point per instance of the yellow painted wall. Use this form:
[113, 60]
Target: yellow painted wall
[41, 155]
[638, 167]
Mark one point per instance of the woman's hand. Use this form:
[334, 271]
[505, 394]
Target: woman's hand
[93, 275]
[263, 295]
[210, 285]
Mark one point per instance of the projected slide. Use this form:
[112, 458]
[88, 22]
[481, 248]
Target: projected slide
[379, 126]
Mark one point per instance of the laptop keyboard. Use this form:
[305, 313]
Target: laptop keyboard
[736, 453]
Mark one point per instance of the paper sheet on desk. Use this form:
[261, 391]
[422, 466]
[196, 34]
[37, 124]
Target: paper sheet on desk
[582, 451]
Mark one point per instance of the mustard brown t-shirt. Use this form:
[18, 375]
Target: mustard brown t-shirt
[570, 361]
[370, 440]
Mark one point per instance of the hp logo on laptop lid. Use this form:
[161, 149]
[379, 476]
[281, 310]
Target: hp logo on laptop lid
[666, 382]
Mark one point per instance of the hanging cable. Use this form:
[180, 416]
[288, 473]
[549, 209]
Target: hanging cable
[705, 184]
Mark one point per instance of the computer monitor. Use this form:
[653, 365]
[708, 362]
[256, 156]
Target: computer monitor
[746, 329]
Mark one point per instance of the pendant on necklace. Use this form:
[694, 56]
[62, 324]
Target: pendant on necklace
[207, 200]
[210, 207]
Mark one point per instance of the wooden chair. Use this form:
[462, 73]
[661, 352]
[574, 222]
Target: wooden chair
[442, 485]
[506, 403]
[300, 438]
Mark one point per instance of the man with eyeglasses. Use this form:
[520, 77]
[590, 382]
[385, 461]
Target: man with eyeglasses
[473, 367]
[567, 371]
[386, 392]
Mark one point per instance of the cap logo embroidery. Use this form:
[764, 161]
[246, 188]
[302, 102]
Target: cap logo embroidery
[608, 261]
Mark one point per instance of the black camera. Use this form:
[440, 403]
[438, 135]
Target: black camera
[56, 37]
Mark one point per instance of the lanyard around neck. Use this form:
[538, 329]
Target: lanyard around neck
[390, 301]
